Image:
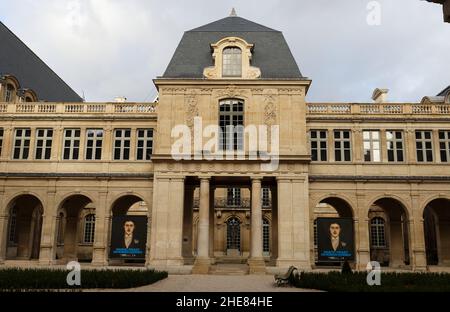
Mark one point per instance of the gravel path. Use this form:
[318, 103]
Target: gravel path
[216, 283]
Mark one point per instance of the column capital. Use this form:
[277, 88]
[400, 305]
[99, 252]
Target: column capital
[204, 178]
[256, 179]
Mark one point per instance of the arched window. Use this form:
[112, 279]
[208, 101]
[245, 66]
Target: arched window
[12, 237]
[231, 122]
[377, 232]
[89, 229]
[232, 62]
[266, 237]
[10, 93]
[234, 234]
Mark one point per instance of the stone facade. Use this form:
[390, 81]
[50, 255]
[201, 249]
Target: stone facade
[385, 165]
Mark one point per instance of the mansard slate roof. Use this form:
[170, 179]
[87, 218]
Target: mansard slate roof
[271, 52]
[18, 60]
[445, 92]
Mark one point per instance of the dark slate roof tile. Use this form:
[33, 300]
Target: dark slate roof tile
[18, 60]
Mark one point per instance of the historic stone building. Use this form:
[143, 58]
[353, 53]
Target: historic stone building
[67, 167]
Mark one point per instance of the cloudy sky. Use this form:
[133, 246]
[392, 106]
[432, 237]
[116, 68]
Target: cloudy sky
[109, 48]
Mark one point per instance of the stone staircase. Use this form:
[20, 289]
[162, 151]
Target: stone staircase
[229, 269]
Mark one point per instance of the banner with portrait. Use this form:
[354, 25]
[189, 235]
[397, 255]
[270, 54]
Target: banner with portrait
[335, 239]
[128, 237]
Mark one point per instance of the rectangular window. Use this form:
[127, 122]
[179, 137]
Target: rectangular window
[234, 197]
[371, 143]
[1, 141]
[94, 144]
[266, 197]
[71, 144]
[144, 144]
[444, 145]
[319, 145]
[424, 146]
[394, 146]
[22, 143]
[122, 142]
[44, 140]
[342, 145]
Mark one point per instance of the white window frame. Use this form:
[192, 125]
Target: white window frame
[319, 140]
[372, 145]
[341, 150]
[89, 229]
[122, 139]
[25, 144]
[444, 145]
[231, 124]
[147, 144]
[73, 138]
[232, 62]
[44, 147]
[95, 140]
[393, 141]
[378, 232]
[423, 151]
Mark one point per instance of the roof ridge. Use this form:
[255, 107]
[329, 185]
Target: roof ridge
[203, 28]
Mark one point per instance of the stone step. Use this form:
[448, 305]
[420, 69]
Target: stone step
[229, 269]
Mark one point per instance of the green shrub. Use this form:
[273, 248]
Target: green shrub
[390, 282]
[51, 279]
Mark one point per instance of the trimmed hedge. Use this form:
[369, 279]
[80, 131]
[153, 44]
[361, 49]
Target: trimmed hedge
[390, 282]
[53, 279]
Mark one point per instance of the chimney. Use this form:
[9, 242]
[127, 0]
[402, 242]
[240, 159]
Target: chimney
[120, 99]
[380, 95]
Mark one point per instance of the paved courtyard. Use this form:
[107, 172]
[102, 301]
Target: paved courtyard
[216, 283]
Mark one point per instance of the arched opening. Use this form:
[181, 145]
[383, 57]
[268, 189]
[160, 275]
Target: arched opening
[233, 237]
[389, 233]
[436, 217]
[129, 228]
[332, 207]
[76, 228]
[24, 228]
[10, 93]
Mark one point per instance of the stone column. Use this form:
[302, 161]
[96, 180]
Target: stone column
[4, 218]
[149, 230]
[47, 252]
[212, 218]
[256, 261]
[396, 244]
[293, 223]
[416, 235]
[99, 256]
[203, 261]
[362, 233]
[166, 252]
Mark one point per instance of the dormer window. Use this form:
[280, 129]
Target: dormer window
[232, 62]
[10, 93]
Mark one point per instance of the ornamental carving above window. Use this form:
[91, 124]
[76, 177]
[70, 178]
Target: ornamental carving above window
[232, 60]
